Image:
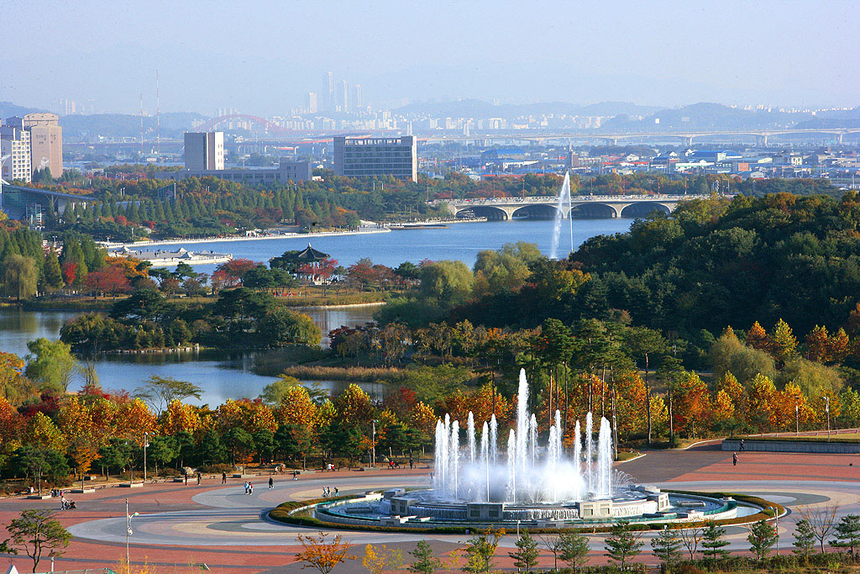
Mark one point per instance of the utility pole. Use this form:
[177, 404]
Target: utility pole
[128, 533]
[373, 446]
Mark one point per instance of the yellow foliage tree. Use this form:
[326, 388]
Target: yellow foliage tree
[180, 417]
[41, 432]
[724, 407]
[757, 338]
[320, 552]
[692, 408]
[297, 408]
[759, 402]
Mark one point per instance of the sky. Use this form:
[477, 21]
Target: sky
[263, 56]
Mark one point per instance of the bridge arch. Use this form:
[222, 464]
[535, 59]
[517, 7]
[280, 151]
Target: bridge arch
[643, 208]
[490, 212]
[593, 210]
[536, 211]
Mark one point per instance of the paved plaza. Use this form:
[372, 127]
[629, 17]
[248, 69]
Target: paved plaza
[224, 528]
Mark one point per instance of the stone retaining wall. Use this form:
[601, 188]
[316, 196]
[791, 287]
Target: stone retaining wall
[822, 446]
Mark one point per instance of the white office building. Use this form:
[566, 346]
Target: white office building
[15, 143]
[367, 157]
[204, 151]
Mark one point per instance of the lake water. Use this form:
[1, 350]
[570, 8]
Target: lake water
[224, 375]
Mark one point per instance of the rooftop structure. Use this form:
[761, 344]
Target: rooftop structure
[286, 171]
[368, 157]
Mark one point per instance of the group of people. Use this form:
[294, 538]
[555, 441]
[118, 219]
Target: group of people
[249, 487]
[327, 492]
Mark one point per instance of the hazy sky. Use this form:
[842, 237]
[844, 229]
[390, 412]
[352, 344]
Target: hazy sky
[262, 57]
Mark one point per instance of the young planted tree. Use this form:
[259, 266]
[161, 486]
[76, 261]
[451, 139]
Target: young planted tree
[320, 553]
[526, 555]
[623, 544]
[762, 537]
[804, 540]
[552, 542]
[37, 532]
[821, 520]
[667, 547]
[847, 534]
[480, 551]
[713, 543]
[574, 549]
[425, 562]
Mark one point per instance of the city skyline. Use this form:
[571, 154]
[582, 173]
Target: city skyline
[786, 54]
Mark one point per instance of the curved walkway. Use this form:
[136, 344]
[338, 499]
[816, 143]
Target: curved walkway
[226, 529]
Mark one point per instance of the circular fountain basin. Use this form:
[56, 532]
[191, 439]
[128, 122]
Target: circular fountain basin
[422, 509]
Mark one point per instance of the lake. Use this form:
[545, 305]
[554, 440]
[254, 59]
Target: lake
[230, 375]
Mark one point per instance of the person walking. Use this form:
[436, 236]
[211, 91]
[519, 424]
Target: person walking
[199, 478]
[250, 489]
[734, 459]
[246, 486]
[743, 447]
[223, 478]
[271, 483]
[411, 463]
[295, 474]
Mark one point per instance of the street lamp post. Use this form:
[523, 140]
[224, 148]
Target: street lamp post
[827, 408]
[128, 533]
[373, 446]
[145, 444]
[796, 419]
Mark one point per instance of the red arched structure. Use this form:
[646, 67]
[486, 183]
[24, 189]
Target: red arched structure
[270, 126]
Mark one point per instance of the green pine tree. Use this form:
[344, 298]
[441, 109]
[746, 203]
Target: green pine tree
[53, 273]
[425, 562]
[667, 547]
[623, 544]
[574, 549]
[713, 543]
[762, 537]
[847, 534]
[526, 555]
[804, 539]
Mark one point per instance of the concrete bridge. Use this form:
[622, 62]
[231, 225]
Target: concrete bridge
[590, 206]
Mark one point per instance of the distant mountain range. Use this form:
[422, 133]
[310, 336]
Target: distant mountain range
[480, 109]
[623, 117]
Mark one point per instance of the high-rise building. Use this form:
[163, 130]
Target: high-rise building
[343, 96]
[46, 140]
[356, 99]
[204, 151]
[15, 143]
[328, 91]
[365, 157]
[312, 103]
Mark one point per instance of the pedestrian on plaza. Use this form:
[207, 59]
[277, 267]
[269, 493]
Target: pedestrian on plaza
[199, 478]
[246, 486]
[223, 478]
[295, 474]
[271, 483]
[250, 489]
[411, 463]
[743, 448]
[186, 479]
[335, 491]
[734, 459]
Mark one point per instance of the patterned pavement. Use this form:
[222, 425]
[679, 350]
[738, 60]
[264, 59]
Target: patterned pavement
[180, 526]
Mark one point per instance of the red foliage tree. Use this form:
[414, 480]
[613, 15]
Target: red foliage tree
[70, 269]
[109, 280]
[233, 271]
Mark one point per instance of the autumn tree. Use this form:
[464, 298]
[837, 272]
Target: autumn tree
[320, 552]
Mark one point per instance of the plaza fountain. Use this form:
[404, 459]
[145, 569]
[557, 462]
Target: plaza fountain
[561, 481]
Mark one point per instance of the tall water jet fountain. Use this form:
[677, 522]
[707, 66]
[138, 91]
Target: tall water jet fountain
[563, 199]
[541, 477]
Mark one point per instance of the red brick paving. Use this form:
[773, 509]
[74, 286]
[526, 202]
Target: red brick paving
[697, 464]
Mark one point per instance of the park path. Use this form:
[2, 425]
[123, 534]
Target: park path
[218, 525]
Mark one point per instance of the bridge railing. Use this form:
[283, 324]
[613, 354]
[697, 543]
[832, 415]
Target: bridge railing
[574, 199]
